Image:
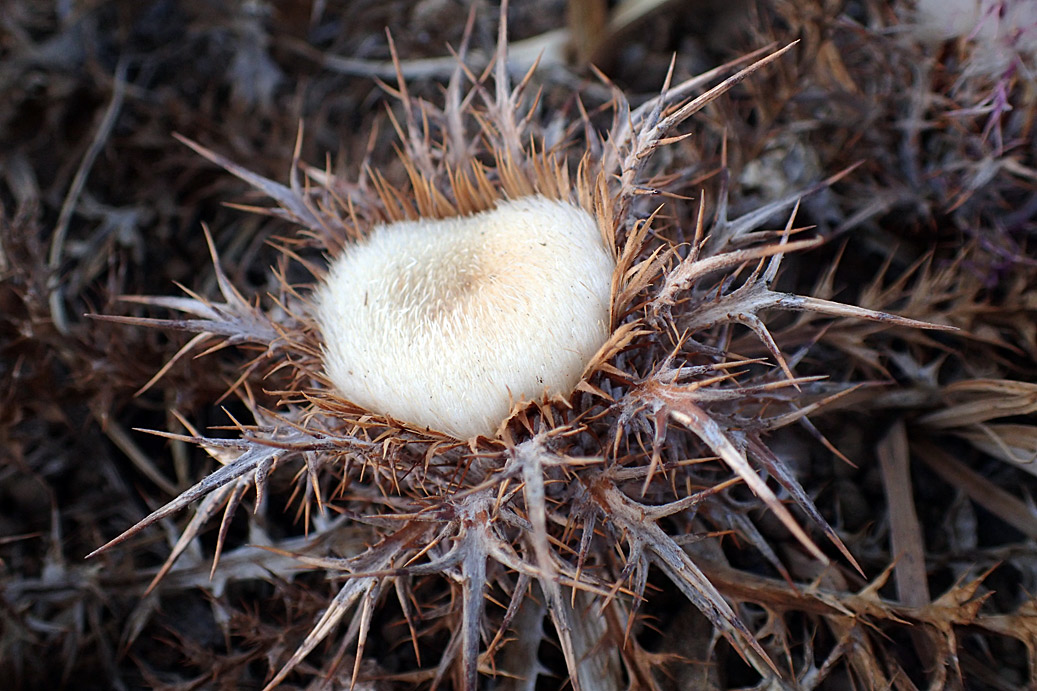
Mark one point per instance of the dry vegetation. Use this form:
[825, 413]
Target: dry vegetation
[758, 486]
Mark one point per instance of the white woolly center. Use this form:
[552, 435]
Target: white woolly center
[445, 323]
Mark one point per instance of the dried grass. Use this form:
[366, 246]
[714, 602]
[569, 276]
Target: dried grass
[626, 548]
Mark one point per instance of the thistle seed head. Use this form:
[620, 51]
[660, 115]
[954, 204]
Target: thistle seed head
[445, 324]
[451, 306]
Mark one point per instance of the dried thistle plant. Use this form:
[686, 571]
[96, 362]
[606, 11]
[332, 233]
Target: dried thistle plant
[559, 514]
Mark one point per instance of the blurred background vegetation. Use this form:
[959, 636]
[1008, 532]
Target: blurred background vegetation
[935, 221]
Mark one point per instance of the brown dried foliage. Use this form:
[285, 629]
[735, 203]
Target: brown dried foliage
[689, 519]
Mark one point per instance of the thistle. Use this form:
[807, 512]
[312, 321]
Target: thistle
[441, 322]
[505, 472]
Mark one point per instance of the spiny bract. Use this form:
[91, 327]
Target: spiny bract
[561, 515]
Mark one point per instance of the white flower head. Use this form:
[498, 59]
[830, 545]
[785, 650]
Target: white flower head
[446, 323]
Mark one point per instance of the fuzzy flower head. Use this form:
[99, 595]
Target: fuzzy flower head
[505, 381]
[443, 323]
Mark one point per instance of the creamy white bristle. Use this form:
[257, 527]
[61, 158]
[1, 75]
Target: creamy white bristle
[444, 323]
